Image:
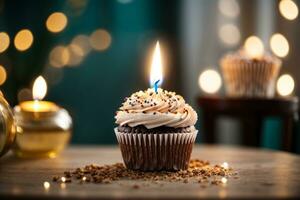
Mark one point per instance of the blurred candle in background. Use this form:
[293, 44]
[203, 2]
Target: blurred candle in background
[44, 128]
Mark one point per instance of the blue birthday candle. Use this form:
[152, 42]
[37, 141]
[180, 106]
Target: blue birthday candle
[156, 86]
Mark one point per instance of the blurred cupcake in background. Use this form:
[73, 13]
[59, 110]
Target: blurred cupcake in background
[250, 72]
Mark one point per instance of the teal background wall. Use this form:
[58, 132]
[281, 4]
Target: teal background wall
[93, 91]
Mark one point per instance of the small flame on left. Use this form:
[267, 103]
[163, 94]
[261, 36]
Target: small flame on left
[39, 88]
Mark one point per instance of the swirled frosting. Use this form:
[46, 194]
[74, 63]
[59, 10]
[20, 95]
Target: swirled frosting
[152, 109]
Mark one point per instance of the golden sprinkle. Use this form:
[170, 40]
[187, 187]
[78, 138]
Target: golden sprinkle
[63, 179]
[46, 185]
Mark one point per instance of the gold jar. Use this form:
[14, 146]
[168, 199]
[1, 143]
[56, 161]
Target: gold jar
[41, 134]
[7, 126]
[43, 131]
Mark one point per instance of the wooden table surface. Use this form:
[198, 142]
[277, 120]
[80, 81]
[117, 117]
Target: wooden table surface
[262, 174]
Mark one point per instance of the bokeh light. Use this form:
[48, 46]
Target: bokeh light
[229, 8]
[77, 3]
[225, 165]
[279, 45]
[4, 41]
[76, 55]
[23, 40]
[224, 180]
[229, 34]
[77, 50]
[46, 185]
[210, 81]
[63, 186]
[53, 75]
[288, 9]
[59, 56]
[100, 39]
[56, 22]
[77, 7]
[285, 85]
[3, 75]
[222, 193]
[82, 41]
[254, 46]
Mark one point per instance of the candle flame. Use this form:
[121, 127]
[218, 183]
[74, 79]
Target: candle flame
[39, 88]
[156, 73]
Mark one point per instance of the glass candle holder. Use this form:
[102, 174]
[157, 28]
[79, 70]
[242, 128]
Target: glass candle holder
[41, 134]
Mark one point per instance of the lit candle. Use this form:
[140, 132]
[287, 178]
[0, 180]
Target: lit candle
[39, 91]
[156, 73]
[44, 127]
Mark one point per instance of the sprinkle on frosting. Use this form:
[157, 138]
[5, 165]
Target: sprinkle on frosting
[152, 110]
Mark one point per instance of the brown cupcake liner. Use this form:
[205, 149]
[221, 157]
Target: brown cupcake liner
[250, 79]
[156, 152]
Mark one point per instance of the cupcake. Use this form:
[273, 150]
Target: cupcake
[250, 77]
[156, 131]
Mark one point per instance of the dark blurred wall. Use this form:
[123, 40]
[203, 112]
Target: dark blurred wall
[94, 90]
